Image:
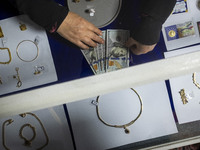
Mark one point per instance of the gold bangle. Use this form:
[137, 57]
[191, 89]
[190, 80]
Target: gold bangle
[125, 125]
[17, 51]
[27, 142]
[9, 53]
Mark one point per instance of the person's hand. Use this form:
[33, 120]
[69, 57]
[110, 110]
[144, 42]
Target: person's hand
[79, 31]
[138, 48]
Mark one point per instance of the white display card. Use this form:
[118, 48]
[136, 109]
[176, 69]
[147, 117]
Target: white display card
[30, 53]
[54, 122]
[190, 111]
[120, 108]
[182, 26]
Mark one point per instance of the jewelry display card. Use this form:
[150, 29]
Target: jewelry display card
[123, 109]
[45, 129]
[185, 91]
[25, 55]
[182, 26]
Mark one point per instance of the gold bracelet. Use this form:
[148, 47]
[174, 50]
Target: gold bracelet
[7, 122]
[27, 142]
[9, 54]
[17, 50]
[125, 125]
[194, 80]
[45, 133]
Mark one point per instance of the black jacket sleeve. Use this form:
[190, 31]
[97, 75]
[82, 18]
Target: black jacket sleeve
[153, 14]
[46, 13]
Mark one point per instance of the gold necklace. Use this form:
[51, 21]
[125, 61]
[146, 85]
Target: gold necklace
[194, 80]
[9, 54]
[127, 131]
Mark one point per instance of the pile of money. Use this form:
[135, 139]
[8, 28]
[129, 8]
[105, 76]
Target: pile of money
[110, 56]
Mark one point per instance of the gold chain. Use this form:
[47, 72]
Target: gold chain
[45, 133]
[125, 125]
[27, 142]
[17, 50]
[194, 80]
[9, 53]
[7, 122]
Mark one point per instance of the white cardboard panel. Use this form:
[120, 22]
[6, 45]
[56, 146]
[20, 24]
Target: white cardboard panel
[12, 37]
[190, 111]
[54, 122]
[156, 119]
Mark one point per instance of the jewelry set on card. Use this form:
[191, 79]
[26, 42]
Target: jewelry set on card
[28, 142]
[22, 53]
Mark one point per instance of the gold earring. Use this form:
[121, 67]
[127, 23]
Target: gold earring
[183, 96]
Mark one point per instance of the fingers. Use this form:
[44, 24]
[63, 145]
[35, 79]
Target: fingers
[94, 29]
[80, 32]
[138, 48]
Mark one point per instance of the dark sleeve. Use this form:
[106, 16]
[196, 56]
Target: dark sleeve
[153, 14]
[46, 13]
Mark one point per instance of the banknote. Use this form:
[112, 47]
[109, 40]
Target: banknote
[117, 55]
[101, 54]
[92, 59]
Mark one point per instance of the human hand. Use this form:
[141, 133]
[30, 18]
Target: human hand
[79, 31]
[138, 48]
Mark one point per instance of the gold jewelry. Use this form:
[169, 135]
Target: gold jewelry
[19, 83]
[1, 33]
[125, 125]
[27, 141]
[17, 50]
[45, 133]
[9, 53]
[38, 70]
[7, 122]
[194, 80]
[22, 27]
[183, 96]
